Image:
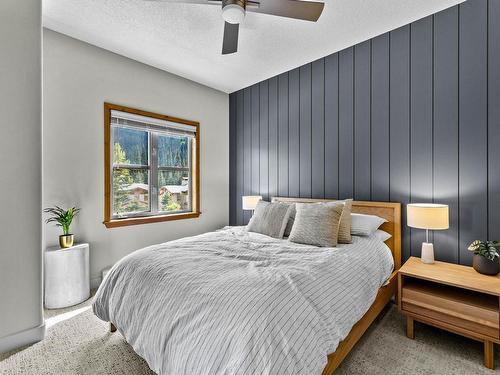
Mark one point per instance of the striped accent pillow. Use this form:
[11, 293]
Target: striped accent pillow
[345, 223]
[344, 235]
[317, 224]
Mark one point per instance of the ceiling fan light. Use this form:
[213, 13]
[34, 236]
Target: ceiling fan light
[233, 13]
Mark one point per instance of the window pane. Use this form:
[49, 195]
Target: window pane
[173, 192]
[130, 191]
[173, 151]
[130, 146]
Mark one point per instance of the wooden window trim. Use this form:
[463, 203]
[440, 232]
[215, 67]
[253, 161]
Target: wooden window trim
[109, 222]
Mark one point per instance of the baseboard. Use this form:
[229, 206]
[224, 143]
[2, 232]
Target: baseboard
[26, 337]
[95, 282]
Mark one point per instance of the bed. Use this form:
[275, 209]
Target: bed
[391, 211]
[233, 302]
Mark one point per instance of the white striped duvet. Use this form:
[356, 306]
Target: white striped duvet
[233, 302]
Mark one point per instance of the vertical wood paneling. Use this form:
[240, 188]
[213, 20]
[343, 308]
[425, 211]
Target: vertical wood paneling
[494, 120]
[294, 133]
[318, 129]
[273, 137]
[400, 124]
[232, 160]
[240, 152]
[346, 123]
[472, 125]
[305, 131]
[421, 120]
[255, 140]
[264, 140]
[362, 130]
[446, 129]
[247, 148]
[332, 126]
[283, 134]
[380, 118]
[412, 114]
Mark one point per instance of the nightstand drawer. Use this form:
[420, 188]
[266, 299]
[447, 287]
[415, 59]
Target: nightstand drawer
[476, 312]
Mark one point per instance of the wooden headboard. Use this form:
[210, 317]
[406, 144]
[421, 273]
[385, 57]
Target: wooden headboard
[388, 210]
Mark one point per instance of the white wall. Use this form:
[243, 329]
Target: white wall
[21, 320]
[78, 79]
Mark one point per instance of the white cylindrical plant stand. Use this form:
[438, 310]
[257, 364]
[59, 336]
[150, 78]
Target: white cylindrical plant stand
[67, 280]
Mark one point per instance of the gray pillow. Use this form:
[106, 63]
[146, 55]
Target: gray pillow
[291, 219]
[270, 219]
[317, 224]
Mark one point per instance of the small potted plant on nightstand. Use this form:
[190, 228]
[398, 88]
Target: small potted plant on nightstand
[63, 218]
[486, 259]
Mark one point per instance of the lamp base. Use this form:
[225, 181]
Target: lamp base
[427, 255]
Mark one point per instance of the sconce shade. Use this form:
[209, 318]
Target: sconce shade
[249, 202]
[427, 216]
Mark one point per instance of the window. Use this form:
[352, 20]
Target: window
[151, 167]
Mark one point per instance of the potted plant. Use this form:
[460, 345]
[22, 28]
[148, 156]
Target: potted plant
[63, 218]
[485, 259]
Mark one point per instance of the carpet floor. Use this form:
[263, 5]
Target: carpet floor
[77, 342]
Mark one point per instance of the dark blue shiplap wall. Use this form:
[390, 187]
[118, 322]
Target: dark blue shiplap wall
[412, 115]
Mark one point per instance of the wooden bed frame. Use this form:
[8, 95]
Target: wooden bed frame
[392, 213]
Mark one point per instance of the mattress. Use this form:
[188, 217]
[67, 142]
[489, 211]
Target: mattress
[234, 302]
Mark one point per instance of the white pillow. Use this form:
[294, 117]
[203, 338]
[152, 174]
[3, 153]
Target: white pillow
[382, 235]
[365, 225]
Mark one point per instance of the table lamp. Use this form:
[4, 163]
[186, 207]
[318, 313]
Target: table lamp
[428, 216]
[249, 202]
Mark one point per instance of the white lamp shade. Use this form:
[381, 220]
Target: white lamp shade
[427, 216]
[249, 202]
[233, 13]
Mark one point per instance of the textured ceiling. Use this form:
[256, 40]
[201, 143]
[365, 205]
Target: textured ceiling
[186, 39]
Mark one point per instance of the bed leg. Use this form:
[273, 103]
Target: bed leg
[112, 327]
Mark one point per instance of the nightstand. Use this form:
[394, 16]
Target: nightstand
[67, 280]
[451, 297]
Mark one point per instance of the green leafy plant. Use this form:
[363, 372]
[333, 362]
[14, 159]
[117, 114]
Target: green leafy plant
[167, 204]
[487, 249]
[63, 218]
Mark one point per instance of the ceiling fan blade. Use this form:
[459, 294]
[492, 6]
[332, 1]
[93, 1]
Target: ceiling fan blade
[230, 42]
[302, 10]
[206, 2]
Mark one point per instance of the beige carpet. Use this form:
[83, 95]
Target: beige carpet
[79, 343]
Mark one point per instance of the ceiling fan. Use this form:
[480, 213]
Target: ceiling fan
[233, 13]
